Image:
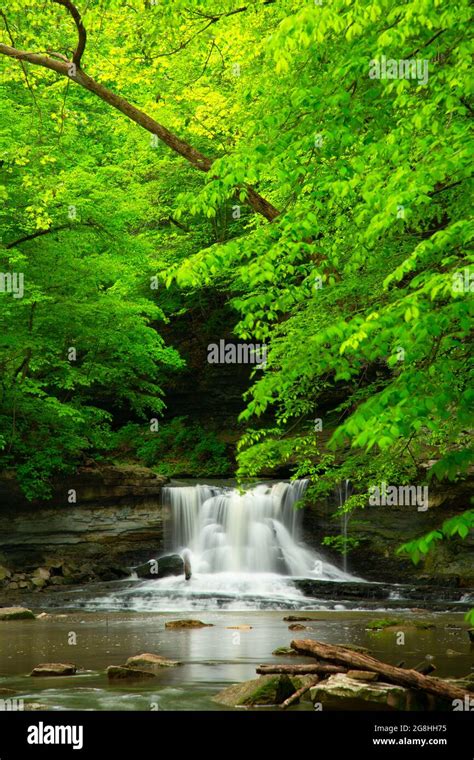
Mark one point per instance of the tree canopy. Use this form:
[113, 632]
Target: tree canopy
[151, 151]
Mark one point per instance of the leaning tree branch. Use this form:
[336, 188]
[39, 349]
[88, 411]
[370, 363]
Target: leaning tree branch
[182, 148]
[81, 30]
[50, 231]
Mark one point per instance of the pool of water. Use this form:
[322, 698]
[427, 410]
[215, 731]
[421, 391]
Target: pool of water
[212, 658]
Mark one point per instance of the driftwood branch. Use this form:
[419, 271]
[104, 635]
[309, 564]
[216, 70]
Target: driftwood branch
[301, 670]
[411, 679]
[299, 693]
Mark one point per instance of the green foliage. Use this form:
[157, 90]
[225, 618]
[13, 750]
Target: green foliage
[460, 525]
[360, 288]
[341, 544]
[179, 447]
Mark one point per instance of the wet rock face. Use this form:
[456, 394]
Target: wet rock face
[162, 567]
[115, 522]
[382, 529]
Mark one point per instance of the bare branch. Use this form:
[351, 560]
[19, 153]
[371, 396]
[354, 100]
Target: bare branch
[81, 31]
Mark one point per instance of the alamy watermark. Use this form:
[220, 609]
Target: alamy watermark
[11, 704]
[463, 282]
[402, 68]
[399, 496]
[12, 282]
[237, 353]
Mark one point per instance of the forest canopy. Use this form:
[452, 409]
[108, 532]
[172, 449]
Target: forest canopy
[306, 163]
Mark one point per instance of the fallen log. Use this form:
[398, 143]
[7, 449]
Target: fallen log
[408, 678]
[300, 670]
[295, 697]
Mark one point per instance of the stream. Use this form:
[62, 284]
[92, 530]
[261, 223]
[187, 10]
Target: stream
[212, 658]
[249, 568]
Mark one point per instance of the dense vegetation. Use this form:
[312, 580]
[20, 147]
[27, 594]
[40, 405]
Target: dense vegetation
[266, 168]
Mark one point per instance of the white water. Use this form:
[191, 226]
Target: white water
[257, 531]
[244, 550]
[343, 491]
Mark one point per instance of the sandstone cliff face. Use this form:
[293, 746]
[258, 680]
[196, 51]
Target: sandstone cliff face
[381, 530]
[101, 517]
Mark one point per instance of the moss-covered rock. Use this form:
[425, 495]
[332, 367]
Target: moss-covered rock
[16, 613]
[123, 672]
[266, 690]
[187, 624]
[341, 692]
[286, 651]
[393, 624]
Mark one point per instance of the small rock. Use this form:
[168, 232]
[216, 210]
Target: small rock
[187, 624]
[286, 651]
[150, 661]
[239, 627]
[362, 675]
[43, 573]
[13, 586]
[295, 619]
[47, 669]
[297, 627]
[30, 706]
[120, 672]
[15, 613]
[452, 653]
[4, 573]
[38, 582]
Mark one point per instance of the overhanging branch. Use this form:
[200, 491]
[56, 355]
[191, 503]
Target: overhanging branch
[81, 31]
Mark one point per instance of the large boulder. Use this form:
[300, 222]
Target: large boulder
[16, 613]
[162, 567]
[148, 661]
[187, 624]
[266, 690]
[47, 669]
[339, 692]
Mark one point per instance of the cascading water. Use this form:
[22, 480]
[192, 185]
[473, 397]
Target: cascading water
[257, 531]
[244, 548]
[343, 491]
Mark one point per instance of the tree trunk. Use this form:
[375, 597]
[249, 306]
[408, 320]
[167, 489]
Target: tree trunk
[408, 678]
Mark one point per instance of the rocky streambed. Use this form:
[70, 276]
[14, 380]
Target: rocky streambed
[225, 652]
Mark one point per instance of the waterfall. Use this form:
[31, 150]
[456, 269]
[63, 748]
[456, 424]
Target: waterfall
[343, 491]
[257, 531]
